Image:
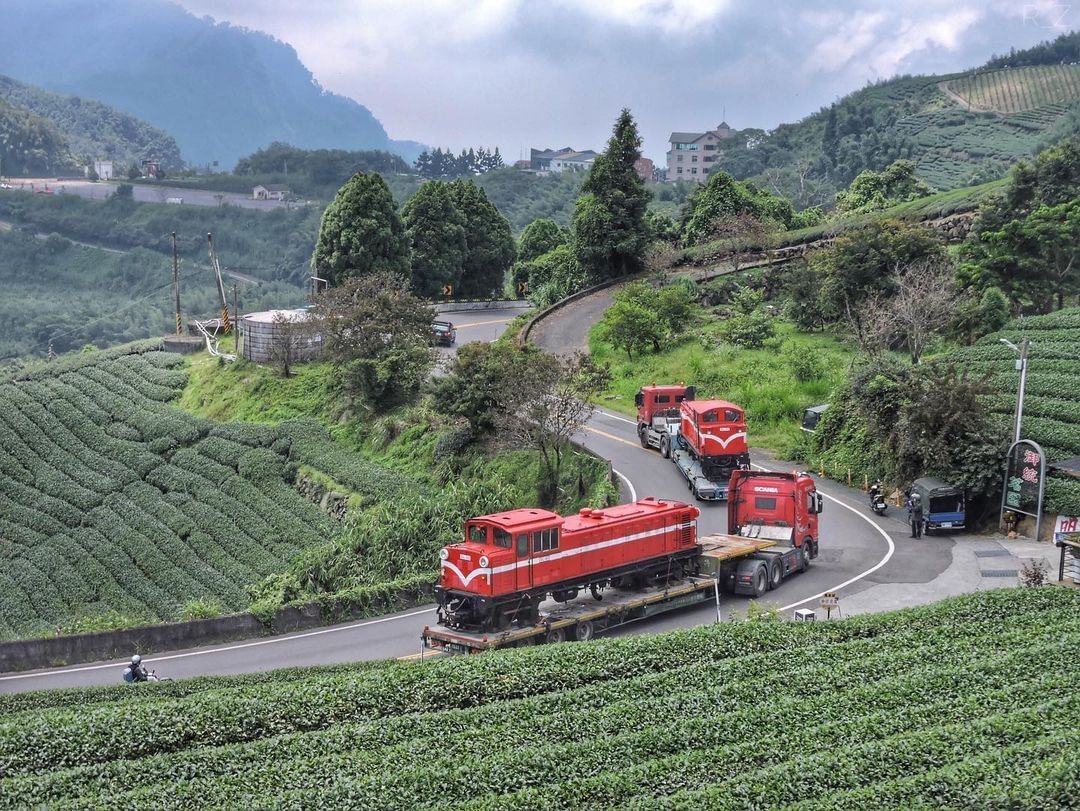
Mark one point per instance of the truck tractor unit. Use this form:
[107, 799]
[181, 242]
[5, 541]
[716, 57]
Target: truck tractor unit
[658, 415]
[521, 577]
[709, 447]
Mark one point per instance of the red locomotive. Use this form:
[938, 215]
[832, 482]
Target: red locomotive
[510, 562]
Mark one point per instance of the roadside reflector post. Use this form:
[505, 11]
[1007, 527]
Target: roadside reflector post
[716, 592]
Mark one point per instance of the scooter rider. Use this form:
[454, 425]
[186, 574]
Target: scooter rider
[875, 491]
[135, 671]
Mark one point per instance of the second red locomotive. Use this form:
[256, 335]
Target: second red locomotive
[510, 562]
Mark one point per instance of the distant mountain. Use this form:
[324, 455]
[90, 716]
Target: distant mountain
[91, 129]
[959, 129]
[221, 90]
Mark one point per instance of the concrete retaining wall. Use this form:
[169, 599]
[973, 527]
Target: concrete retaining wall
[31, 654]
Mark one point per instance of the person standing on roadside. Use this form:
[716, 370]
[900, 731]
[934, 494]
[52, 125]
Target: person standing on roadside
[915, 514]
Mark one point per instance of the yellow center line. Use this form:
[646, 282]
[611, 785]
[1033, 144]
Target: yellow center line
[481, 323]
[612, 436]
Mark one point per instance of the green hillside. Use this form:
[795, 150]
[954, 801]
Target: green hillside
[29, 144]
[959, 129]
[957, 704]
[1052, 400]
[92, 129]
[113, 502]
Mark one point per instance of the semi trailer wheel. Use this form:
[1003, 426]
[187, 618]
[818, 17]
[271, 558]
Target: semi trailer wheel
[555, 635]
[761, 580]
[584, 631]
[776, 574]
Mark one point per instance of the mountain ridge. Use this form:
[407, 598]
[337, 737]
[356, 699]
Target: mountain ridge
[221, 90]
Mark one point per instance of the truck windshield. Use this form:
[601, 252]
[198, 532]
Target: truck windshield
[477, 533]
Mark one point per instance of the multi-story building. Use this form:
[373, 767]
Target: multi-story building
[693, 154]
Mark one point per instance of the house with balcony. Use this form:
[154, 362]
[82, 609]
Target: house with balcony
[693, 154]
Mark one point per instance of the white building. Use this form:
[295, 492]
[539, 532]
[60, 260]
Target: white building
[103, 169]
[693, 154]
[573, 161]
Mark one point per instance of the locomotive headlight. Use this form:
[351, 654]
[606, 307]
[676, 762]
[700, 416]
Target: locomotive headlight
[484, 561]
[444, 553]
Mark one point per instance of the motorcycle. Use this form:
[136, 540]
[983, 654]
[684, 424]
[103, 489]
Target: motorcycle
[877, 502]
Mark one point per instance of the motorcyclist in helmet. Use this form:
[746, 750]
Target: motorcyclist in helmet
[875, 491]
[135, 671]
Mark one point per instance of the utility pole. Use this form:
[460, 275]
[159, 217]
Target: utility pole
[176, 286]
[226, 324]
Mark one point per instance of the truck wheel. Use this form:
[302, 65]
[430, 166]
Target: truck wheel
[761, 580]
[804, 554]
[776, 574]
[643, 435]
[555, 635]
[665, 447]
[584, 631]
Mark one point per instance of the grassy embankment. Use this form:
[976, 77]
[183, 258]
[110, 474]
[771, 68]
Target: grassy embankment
[931, 207]
[763, 381]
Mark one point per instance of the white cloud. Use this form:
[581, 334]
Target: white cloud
[685, 17]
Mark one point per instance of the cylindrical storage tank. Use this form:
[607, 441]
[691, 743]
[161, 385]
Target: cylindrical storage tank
[261, 333]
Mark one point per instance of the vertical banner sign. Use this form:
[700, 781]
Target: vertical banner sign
[1025, 478]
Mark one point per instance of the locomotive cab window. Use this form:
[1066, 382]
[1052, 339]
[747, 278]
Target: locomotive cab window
[503, 539]
[709, 416]
[477, 533]
[522, 545]
[546, 540]
[732, 416]
[663, 398]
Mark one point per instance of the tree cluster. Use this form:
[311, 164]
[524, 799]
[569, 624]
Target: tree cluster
[525, 397]
[642, 316]
[875, 191]
[448, 237]
[322, 166]
[1027, 242]
[378, 336]
[442, 164]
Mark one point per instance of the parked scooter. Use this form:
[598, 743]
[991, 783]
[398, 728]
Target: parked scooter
[878, 504]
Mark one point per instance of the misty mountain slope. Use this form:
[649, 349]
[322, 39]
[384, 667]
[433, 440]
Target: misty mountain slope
[92, 129]
[222, 91]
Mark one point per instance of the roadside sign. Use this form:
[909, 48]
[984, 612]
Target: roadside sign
[830, 602]
[1025, 478]
[523, 288]
[448, 290]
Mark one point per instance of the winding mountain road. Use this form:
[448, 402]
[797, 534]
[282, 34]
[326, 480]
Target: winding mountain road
[857, 551]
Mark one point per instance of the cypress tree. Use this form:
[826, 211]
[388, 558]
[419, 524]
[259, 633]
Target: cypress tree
[436, 232]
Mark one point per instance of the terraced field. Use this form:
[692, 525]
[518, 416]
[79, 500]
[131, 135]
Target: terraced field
[962, 704]
[1015, 90]
[113, 501]
[1052, 400]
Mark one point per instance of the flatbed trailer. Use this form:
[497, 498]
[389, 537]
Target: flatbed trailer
[697, 482]
[725, 561]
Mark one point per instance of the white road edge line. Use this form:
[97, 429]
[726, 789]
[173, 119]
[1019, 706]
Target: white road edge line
[630, 484]
[867, 519]
[203, 652]
[850, 580]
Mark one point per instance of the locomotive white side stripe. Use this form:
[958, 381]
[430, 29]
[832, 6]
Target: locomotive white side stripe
[723, 442]
[509, 567]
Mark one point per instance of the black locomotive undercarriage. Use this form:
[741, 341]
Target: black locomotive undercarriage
[466, 611]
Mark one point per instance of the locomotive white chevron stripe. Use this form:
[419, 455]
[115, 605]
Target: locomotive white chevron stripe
[509, 567]
[723, 442]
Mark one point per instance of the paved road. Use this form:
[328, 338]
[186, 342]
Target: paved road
[144, 193]
[856, 551]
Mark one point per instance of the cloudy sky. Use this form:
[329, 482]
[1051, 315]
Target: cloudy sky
[521, 73]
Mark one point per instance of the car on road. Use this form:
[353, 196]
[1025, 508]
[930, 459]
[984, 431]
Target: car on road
[443, 333]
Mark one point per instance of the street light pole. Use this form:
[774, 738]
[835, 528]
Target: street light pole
[1021, 366]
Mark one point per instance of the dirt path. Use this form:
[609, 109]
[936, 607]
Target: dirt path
[944, 88]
